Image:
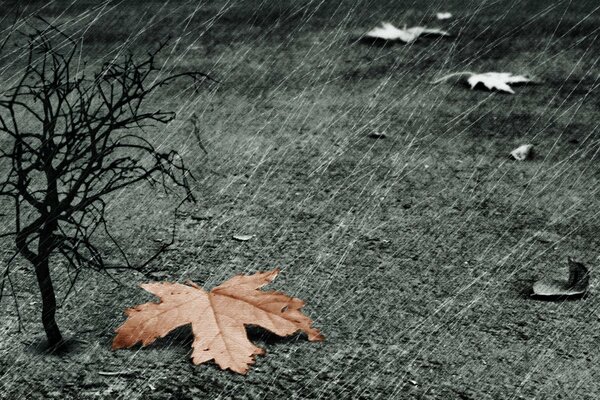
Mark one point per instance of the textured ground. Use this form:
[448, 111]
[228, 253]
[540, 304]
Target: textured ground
[415, 253]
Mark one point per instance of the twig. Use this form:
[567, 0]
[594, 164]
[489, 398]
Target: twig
[194, 121]
[117, 373]
[14, 296]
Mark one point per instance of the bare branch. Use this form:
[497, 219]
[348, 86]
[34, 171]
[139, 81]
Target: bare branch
[73, 141]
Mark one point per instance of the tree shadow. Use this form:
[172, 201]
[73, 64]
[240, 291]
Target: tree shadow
[40, 346]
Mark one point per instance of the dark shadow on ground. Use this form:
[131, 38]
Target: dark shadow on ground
[182, 337]
[524, 290]
[40, 345]
[258, 334]
[376, 42]
[557, 298]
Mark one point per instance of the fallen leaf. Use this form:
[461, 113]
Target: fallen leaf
[576, 285]
[388, 31]
[443, 15]
[499, 81]
[522, 152]
[243, 238]
[218, 318]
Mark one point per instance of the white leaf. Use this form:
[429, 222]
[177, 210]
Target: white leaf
[497, 80]
[388, 31]
[522, 152]
[243, 238]
[443, 15]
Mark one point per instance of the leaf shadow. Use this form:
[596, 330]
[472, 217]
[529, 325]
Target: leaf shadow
[261, 335]
[375, 42]
[480, 87]
[379, 42]
[183, 338]
[179, 337]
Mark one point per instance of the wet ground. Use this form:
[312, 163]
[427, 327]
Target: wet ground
[414, 253]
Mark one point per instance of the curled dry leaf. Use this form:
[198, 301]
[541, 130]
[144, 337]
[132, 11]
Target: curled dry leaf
[242, 238]
[576, 285]
[388, 31]
[522, 152]
[443, 15]
[218, 318]
[499, 81]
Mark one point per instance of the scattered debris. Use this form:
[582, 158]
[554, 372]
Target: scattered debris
[242, 238]
[377, 135]
[388, 31]
[575, 286]
[499, 81]
[547, 237]
[443, 15]
[201, 217]
[158, 275]
[523, 152]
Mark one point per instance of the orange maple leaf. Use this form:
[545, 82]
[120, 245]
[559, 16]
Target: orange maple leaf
[218, 318]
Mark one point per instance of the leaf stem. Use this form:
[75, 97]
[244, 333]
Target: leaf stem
[446, 77]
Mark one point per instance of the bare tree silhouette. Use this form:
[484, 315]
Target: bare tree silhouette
[74, 140]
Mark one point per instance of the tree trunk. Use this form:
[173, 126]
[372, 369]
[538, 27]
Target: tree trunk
[40, 262]
[42, 272]
[45, 249]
